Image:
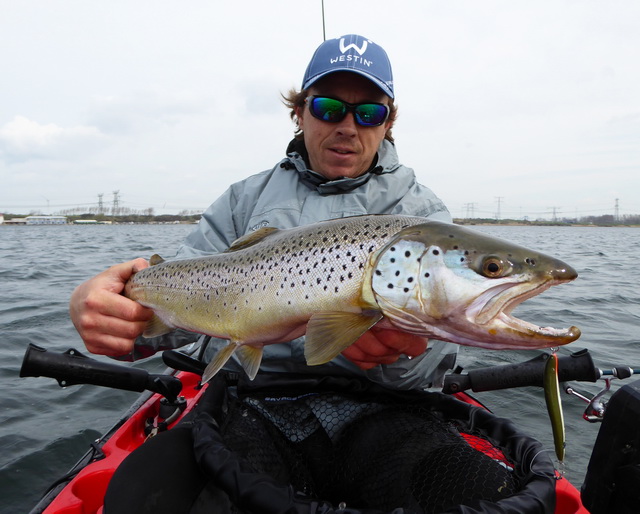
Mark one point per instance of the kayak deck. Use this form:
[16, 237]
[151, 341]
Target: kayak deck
[84, 494]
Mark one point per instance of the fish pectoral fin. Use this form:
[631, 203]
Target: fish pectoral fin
[251, 239]
[219, 360]
[156, 327]
[155, 259]
[250, 358]
[330, 333]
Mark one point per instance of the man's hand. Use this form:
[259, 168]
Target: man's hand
[384, 346]
[107, 321]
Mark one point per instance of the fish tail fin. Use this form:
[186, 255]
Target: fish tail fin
[156, 327]
[250, 358]
[330, 333]
[219, 360]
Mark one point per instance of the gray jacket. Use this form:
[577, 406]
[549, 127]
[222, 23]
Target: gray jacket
[289, 195]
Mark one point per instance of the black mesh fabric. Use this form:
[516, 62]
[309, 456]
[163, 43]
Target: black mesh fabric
[375, 449]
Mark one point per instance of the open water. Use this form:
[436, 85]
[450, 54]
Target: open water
[44, 429]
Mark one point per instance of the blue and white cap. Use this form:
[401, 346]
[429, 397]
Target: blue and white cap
[351, 53]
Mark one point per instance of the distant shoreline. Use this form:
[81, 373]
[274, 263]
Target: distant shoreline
[542, 224]
[13, 222]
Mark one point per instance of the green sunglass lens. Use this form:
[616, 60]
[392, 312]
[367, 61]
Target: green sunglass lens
[328, 109]
[371, 114]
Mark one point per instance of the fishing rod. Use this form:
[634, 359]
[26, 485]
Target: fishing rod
[577, 366]
[71, 367]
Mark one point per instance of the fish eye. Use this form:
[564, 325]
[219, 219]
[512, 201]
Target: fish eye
[493, 267]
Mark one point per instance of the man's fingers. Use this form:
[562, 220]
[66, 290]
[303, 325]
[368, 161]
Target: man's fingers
[408, 344]
[384, 346]
[107, 321]
[117, 276]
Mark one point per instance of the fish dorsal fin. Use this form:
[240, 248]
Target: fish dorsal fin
[155, 259]
[219, 360]
[156, 327]
[250, 358]
[250, 239]
[330, 333]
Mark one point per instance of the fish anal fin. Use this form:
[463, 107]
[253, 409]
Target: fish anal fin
[156, 327]
[250, 358]
[330, 333]
[219, 360]
[250, 239]
[155, 259]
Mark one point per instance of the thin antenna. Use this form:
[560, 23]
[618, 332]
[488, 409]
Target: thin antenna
[324, 34]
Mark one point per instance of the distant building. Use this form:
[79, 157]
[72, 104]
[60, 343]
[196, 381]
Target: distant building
[46, 220]
[16, 221]
[1, 219]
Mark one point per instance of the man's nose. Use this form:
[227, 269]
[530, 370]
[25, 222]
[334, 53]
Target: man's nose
[348, 126]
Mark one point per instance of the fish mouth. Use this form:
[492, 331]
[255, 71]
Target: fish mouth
[493, 310]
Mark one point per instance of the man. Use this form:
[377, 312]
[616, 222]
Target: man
[342, 163]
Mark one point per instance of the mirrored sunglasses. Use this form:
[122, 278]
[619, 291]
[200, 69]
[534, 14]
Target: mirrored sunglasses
[334, 111]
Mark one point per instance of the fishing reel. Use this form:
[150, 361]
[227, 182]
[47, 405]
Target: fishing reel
[597, 406]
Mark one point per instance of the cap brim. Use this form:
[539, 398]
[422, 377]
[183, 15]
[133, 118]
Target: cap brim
[381, 85]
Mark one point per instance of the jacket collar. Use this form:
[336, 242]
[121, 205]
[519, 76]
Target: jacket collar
[386, 161]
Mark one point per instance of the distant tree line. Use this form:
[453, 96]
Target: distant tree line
[131, 217]
[607, 220]
[126, 215]
[139, 218]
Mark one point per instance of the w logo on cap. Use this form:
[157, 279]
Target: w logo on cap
[360, 49]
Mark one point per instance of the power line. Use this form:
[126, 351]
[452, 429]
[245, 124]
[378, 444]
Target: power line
[499, 200]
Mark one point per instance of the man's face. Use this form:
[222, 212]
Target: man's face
[343, 149]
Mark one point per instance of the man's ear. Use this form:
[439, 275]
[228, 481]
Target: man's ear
[299, 116]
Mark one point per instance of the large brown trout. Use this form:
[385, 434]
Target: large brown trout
[334, 280]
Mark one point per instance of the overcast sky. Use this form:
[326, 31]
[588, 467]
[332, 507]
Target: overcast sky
[532, 108]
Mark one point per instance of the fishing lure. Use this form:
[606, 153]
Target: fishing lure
[554, 404]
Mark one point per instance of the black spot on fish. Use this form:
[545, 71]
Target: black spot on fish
[436, 252]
